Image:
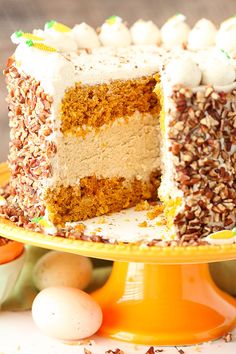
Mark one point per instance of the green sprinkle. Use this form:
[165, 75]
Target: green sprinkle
[29, 43]
[234, 231]
[50, 24]
[112, 19]
[225, 53]
[18, 34]
[36, 220]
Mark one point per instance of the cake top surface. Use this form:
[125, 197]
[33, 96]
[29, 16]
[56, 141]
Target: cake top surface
[60, 56]
[97, 65]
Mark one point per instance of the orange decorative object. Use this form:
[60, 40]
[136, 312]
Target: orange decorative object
[10, 251]
[164, 304]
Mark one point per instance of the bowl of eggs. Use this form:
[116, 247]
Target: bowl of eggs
[12, 255]
[62, 309]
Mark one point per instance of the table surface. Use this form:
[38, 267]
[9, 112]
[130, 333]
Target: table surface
[27, 14]
[19, 335]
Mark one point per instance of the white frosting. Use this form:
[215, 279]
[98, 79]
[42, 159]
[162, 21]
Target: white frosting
[183, 71]
[54, 72]
[115, 33]
[124, 226]
[17, 39]
[175, 31]
[168, 188]
[133, 144]
[62, 41]
[85, 36]
[202, 35]
[226, 36]
[57, 71]
[145, 32]
[102, 65]
[218, 71]
[38, 32]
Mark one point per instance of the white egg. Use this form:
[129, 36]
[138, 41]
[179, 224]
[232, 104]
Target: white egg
[66, 313]
[62, 269]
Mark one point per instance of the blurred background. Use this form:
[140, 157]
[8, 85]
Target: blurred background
[29, 14]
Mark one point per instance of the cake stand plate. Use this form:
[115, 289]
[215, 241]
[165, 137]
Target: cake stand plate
[155, 295]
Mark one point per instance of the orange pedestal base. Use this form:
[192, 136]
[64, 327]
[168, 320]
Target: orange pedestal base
[164, 304]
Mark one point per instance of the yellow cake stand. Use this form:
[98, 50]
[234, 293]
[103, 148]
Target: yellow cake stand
[155, 295]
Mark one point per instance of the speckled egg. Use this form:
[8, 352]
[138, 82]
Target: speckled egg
[62, 269]
[66, 313]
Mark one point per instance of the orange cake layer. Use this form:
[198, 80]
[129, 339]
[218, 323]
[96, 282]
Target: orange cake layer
[95, 197]
[96, 105]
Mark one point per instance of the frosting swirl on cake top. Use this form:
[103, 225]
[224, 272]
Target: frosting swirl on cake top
[85, 36]
[115, 33]
[226, 36]
[202, 35]
[145, 32]
[175, 31]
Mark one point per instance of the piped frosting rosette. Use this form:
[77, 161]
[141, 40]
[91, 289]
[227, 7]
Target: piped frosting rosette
[175, 31]
[209, 68]
[226, 36]
[57, 37]
[114, 33]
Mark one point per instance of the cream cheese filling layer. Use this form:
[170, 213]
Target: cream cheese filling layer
[128, 148]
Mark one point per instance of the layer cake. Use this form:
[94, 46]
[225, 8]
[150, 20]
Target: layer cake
[97, 118]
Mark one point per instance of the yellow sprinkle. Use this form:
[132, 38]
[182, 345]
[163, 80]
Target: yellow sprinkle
[80, 227]
[40, 46]
[102, 220]
[155, 212]
[170, 210]
[44, 223]
[143, 224]
[197, 348]
[178, 16]
[2, 201]
[31, 36]
[222, 235]
[57, 26]
[113, 19]
[44, 47]
[229, 23]
[143, 205]
[158, 91]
